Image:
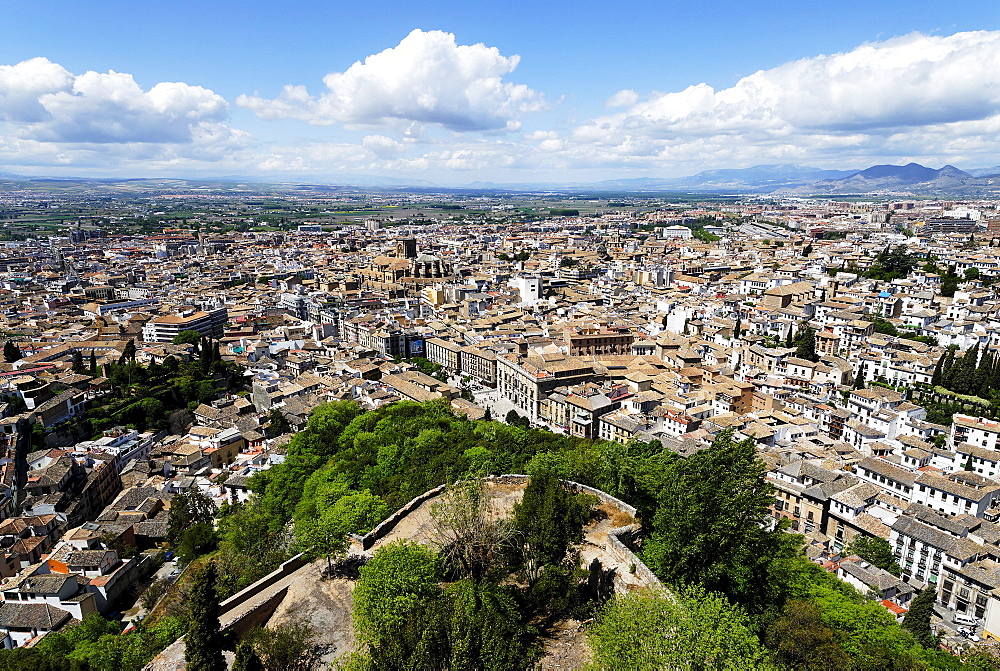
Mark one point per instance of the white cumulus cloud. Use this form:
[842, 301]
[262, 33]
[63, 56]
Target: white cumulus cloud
[911, 80]
[43, 101]
[865, 103]
[22, 84]
[623, 98]
[427, 78]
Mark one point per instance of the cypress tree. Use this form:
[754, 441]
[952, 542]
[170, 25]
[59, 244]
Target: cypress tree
[203, 641]
[246, 658]
[970, 360]
[936, 377]
[93, 363]
[77, 365]
[805, 344]
[11, 352]
[206, 355]
[981, 378]
[859, 379]
[948, 370]
[993, 382]
[918, 619]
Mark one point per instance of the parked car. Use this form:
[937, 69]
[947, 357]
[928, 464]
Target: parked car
[966, 620]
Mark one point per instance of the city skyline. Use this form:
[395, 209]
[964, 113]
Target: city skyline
[453, 96]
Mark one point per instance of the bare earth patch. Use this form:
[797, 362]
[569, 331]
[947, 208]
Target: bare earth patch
[325, 605]
[565, 647]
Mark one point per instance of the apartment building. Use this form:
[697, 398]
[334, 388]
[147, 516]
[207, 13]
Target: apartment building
[524, 380]
[164, 329]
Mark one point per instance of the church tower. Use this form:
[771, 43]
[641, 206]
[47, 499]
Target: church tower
[406, 248]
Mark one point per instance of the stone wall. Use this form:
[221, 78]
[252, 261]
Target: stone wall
[390, 522]
[249, 592]
[256, 616]
[619, 542]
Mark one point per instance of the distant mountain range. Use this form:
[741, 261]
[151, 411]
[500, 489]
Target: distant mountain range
[911, 180]
[757, 178]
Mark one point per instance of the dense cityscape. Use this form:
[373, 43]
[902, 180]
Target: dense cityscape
[443, 337]
[162, 348]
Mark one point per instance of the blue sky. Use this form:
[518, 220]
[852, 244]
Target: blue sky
[507, 92]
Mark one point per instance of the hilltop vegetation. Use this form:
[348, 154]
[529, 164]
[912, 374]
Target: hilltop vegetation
[742, 594]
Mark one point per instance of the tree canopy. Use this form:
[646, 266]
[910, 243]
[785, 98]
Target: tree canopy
[187, 337]
[689, 629]
[203, 642]
[711, 525]
[876, 551]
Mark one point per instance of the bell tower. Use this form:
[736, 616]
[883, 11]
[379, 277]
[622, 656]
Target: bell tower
[406, 248]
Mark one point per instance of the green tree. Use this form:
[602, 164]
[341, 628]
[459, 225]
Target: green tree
[972, 273]
[281, 486]
[15, 405]
[918, 618]
[948, 367]
[203, 641]
[891, 264]
[11, 352]
[246, 658]
[277, 423]
[187, 337]
[77, 365]
[805, 344]
[250, 545]
[807, 250]
[885, 327]
[876, 551]
[93, 363]
[128, 352]
[939, 369]
[711, 523]
[859, 377]
[327, 534]
[286, 647]
[949, 282]
[705, 632]
[549, 519]
[195, 541]
[153, 593]
[151, 413]
[485, 628]
[188, 509]
[392, 586]
[801, 639]
[170, 365]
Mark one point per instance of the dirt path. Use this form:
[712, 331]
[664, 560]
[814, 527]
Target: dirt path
[565, 647]
[325, 605]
